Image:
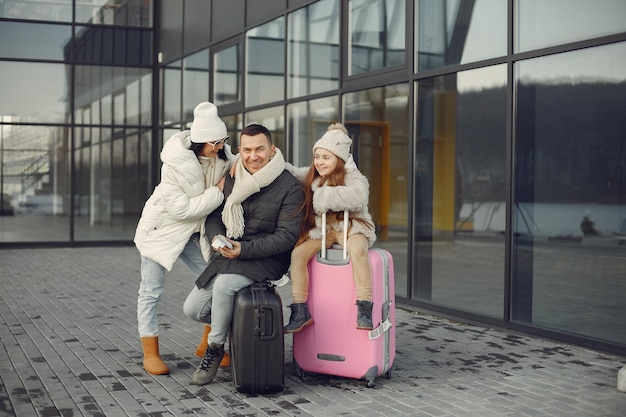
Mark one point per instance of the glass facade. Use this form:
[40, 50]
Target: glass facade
[491, 133]
[75, 118]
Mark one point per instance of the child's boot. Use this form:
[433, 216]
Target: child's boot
[300, 317]
[364, 315]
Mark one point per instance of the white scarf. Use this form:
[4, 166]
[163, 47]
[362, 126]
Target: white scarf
[245, 185]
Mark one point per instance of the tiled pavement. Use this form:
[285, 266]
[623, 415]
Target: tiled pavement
[69, 347]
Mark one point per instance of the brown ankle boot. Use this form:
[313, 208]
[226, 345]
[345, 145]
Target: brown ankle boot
[204, 342]
[152, 362]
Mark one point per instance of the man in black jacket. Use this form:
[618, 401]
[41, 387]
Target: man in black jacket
[261, 218]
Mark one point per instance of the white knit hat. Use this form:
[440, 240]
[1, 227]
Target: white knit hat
[335, 140]
[207, 126]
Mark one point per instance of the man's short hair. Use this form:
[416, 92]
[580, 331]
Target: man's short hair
[255, 129]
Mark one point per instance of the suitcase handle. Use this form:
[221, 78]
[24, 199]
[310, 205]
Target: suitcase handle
[265, 314]
[265, 323]
[345, 234]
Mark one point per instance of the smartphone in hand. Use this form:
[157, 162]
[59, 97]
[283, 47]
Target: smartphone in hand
[221, 241]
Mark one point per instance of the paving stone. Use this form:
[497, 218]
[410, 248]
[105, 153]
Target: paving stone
[69, 346]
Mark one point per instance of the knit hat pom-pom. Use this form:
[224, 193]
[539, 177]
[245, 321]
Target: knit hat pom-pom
[337, 126]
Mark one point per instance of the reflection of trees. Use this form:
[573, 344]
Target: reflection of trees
[571, 143]
[481, 144]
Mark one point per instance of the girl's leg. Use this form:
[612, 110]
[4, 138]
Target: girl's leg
[300, 316]
[300, 257]
[362, 270]
[358, 249]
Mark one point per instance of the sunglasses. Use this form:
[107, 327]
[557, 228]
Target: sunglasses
[219, 142]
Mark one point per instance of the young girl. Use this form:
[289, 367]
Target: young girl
[333, 184]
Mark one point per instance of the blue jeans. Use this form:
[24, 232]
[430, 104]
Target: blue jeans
[213, 304]
[153, 284]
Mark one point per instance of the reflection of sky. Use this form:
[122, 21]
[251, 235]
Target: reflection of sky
[34, 90]
[603, 63]
[541, 24]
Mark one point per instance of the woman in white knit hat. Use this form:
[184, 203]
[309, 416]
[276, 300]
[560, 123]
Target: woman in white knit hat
[195, 162]
[333, 184]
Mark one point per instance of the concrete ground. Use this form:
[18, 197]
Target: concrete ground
[69, 347]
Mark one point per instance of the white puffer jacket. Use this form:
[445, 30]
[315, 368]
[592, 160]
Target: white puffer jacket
[353, 196]
[179, 204]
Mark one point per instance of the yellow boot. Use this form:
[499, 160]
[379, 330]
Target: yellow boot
[152, 362]
[204, 343]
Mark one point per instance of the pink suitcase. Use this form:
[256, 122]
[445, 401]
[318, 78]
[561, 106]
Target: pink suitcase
[332, 344]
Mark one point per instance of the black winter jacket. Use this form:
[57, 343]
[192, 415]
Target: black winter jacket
[272, 226]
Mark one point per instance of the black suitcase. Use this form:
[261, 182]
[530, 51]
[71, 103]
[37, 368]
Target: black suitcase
[257, 343]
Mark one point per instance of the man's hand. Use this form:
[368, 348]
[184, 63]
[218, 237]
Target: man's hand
[231, 253]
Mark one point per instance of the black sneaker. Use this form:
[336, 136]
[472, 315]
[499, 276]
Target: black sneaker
[209, 365]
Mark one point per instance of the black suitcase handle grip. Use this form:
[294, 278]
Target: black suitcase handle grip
[265, 328]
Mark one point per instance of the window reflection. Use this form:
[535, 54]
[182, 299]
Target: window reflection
[35, 41]
[265, 63]
[172, 76]
[377, 121]
[53, 11]
[195, 82]
[314, 48]
[112, 46]
[569, 216]
[272, 118]
[376, 35]
[540, 24]
[460, 196]
[22, 81]
[452, 32]
[105, 12]
[307, 122]
[227, 75]
[34, 180]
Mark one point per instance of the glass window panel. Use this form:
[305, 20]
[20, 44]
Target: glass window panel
[227, 76]
[35, 41]
[452, 32]
[23, 81]
[378, 123]
[460, 196]
[274, 120]
[234, 124]
[112, 46]
[307, 122]
[314, 48]
[132, 102]
[195, 82]
[53, 11]
[34, 183]
[119, 108]
[265, 63]
[144, 169]
[145, 99]
[172, 93]
[569, 217]
[104, 12]
[541, 23]
[376, 35]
